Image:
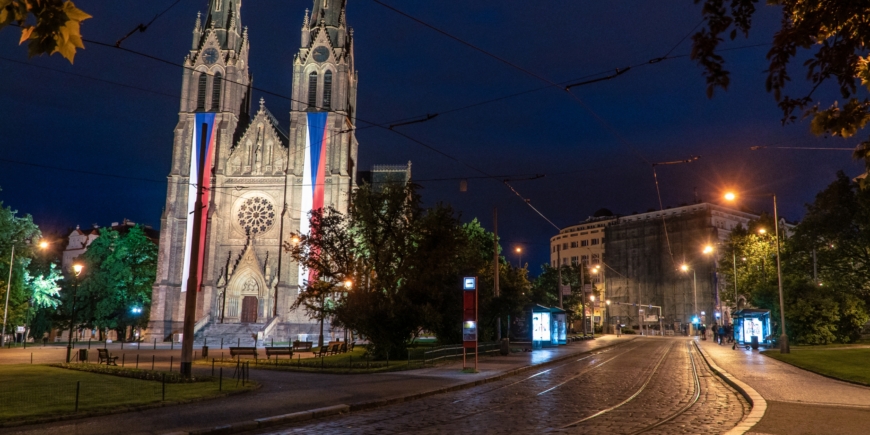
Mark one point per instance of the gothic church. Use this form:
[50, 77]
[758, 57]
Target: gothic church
[260, 179]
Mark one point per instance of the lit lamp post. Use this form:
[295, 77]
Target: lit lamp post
[592, 321]
[709, 250]
[607, 312]
[77, 268]
[519, 252]
[686, 268]
[348, 284]
[783, 338]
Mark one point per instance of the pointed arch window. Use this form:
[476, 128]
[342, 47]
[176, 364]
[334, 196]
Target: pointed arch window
[327, 90]
[216, 92]
[200, 93]
[312, 90]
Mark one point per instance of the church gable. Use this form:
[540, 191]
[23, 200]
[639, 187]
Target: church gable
[262, 149]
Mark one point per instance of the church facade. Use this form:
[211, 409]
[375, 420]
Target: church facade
[260, 179]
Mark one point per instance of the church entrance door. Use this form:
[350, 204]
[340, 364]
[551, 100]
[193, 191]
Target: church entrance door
[249, 309]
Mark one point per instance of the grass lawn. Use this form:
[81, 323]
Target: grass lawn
[846, 364]
[35, 391]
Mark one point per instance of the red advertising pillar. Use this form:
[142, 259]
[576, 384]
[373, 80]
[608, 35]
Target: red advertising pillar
[469, 318]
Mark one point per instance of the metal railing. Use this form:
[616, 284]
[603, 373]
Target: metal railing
[455, 350]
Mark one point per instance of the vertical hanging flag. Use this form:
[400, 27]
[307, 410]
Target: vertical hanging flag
[201, 162]
[313, 176]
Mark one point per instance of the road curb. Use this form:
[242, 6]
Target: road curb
[759, 405]
[341, 409]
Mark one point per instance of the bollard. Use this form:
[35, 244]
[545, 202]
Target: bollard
[222, 345]
[137, 361]
[170, 362]
[78, 388]
[123, 358]
[221, 380]
[152, 362]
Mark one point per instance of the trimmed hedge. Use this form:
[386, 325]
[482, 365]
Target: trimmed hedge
[124, 372]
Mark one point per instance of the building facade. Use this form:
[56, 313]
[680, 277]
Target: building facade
[261, 179]
[644, 257]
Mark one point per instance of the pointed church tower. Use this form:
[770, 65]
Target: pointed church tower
[322, 119]
[215, 91]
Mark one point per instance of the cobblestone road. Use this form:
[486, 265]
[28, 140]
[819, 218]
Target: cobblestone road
[623, 389]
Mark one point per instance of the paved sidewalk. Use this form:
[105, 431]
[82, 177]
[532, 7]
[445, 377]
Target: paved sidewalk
[798, 401]
[288, 392]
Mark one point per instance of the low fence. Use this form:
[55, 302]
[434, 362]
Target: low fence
[455, 351]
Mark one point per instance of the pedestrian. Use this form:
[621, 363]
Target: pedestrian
[721, 334]
[729, 332]
[715, 329]
[703, 332]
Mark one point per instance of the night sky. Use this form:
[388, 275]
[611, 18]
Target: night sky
[595, 150]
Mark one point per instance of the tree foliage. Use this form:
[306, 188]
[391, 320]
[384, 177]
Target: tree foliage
[48, 26]
[405, 263]
[119, 270]
[15, 231]
[834, 37]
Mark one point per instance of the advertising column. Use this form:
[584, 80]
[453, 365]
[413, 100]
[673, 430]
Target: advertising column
[469, 318]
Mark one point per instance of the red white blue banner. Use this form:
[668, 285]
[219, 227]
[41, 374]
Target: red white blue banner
[201, 162]
[313, 176]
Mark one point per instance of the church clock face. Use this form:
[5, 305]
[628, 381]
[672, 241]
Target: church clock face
[321, 54]
[210, 56]
[256, 215]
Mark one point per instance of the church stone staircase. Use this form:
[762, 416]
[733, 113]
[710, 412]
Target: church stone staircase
[233, 334]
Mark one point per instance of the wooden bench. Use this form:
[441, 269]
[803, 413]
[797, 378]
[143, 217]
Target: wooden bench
[238, 351]
[329, 349]
[302, 346]
[104, 355]
[278, 351]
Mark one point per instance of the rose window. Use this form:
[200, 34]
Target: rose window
[256, 215]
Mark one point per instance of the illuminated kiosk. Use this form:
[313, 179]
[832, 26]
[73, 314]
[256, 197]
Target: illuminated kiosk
[534, 326]
[752, 322]
[559, 328]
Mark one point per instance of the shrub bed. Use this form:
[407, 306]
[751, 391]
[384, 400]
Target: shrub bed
[124, 372]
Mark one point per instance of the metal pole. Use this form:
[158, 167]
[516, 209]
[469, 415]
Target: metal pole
[495, 266]
[6, 306]
[783, 339]
[193, 271]
[734, 261]
[72, 318]
[280, 241]
[559, 265]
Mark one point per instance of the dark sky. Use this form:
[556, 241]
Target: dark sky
[594, 150]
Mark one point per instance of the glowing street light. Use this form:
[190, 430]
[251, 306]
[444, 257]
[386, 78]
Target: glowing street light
[348, 284]
[685, 268]
[77, 268]
[708, 249]
[43, 244]
[519, 252]
[730, 196]
[762, 231]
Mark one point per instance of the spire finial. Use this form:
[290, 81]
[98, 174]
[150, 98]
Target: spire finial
[262, 104]
[198, 20]
[305, 21]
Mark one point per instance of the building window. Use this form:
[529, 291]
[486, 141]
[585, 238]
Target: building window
[327, 90]
[200, 93]
[595, 259]
[573, 261]
[573, 244]
[554, 249]
[216, 92]
[584, 243]
[564, 246]
[312, 90]
[565, 261]
[584, 259]
[594, 241]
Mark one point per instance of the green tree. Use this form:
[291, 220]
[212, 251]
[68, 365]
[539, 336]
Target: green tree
[18, 232]
[832, 35]
[48, 26]
[119, 271]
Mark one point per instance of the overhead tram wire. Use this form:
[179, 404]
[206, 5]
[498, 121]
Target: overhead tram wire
[141, 28]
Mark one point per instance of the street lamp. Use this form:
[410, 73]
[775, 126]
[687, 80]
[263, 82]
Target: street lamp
[607, 312]
[519, 252]
[686, 268]
[348, 284]
[783, 338]
[77, 269]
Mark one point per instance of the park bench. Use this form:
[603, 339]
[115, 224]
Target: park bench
[302, 346]
[238, 351]
[104, 355]
[278, 351]
[329, 349]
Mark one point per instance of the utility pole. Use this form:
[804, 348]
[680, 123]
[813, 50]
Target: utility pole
[582, 297]
[559, 268]
[495, 266]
